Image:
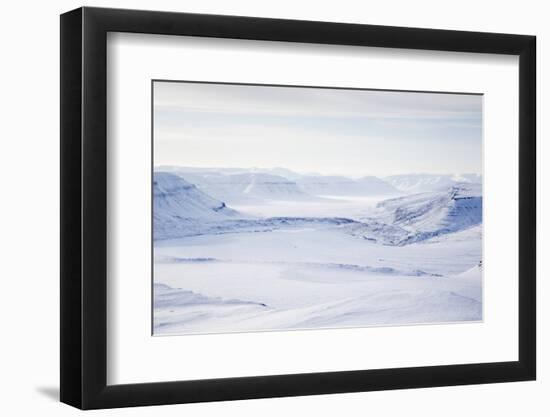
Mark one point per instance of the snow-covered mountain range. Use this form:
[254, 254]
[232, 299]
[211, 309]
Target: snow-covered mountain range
[248, 187]
[419, 183]
[251, 249]
[182, 208]
[237, 185]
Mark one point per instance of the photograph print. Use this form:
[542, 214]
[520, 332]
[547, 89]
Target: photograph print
[281, 208]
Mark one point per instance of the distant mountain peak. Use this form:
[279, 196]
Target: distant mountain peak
[418, 183]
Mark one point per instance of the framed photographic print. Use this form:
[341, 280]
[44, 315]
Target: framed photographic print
[257, 207]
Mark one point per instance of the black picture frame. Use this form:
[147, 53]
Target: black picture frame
[84, 207]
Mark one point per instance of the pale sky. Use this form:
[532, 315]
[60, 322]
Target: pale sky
[329, 131]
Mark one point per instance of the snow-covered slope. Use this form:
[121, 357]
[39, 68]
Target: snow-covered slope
[344, 186]
[435, 213]
[267, 186]
[182, 209]
[178, 311]
[179, 206]
[419, 183]
[246, 187]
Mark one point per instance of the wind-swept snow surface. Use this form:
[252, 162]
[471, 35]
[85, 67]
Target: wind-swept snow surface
[300, 251]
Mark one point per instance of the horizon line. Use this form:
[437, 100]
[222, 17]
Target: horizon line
[311, 173]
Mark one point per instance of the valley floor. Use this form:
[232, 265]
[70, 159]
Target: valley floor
[313, 276]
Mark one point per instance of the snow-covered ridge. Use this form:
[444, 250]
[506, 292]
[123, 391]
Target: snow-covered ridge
[168, 296]
[179, 207]
[178, 308]
[419, 183]
[183, 210]
[246, 187]
[229, 184]
[329, 261]
[251, 187]
[177, 197]
[436, 213]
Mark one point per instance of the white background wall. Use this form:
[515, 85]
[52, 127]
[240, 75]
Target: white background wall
[29, 236]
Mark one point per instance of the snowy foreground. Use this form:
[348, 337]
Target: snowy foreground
[283, 251]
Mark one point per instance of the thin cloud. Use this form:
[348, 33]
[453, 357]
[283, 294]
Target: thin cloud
[324, 130]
